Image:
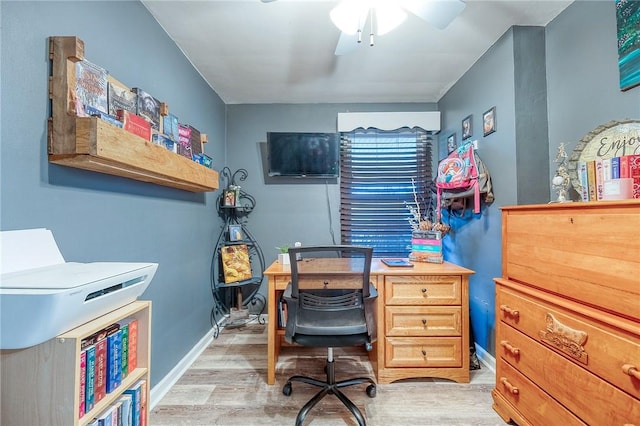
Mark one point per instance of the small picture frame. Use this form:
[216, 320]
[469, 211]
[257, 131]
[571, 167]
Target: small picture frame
[235, 233]
[467, 127]
[451, 143]
[229, 198]
[489, 121]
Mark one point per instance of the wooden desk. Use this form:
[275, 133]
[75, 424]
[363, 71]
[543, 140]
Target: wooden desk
[422, 326]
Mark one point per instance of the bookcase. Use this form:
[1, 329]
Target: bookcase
[93, 144]
[41, 384]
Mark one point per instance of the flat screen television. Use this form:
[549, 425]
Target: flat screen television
[304, 155]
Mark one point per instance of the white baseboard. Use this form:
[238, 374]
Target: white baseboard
[486, 358]
[161, 388]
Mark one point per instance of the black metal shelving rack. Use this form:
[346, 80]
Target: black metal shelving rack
[228, 297]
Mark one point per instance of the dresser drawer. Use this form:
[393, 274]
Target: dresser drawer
[600, 348]
[423, 321]
[571, 252]
[534, 404]
[423, 352]
[596, 401]
[423, 290]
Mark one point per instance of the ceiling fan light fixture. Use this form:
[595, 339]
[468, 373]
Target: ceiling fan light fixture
[349, 16]
[388, 17]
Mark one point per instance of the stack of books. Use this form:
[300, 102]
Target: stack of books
[610, 178]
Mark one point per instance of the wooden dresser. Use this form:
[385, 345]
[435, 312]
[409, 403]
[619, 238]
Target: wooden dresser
[568, 314]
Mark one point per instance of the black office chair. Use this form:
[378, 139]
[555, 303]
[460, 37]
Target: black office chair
[331, 303]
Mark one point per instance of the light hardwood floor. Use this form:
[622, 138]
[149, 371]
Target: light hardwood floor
[226, 385]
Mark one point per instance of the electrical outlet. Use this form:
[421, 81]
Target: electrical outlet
[475, 144]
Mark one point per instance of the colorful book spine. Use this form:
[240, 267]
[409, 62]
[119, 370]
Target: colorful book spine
[591, 178]
[83, 382]
[124, 359]
[615, 168]
[143, 402]
[135, 392]
[133, 345]
[584, 182]
[599, 179]
[184, 142]
[135, 124]
[127, 414]
[606, 169]
[100, 387]
[114, 366]
[90, 378]
[624, 167]
[634, 173]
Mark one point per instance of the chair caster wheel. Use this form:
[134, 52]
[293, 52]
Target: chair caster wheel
[286, 389]
[371, 391]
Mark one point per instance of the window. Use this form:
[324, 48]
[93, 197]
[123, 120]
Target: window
[377, 168]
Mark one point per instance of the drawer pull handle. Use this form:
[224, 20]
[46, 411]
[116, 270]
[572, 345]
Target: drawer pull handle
[424, 322]
[631, 370]
[509, 347]
[424, 290]
[424, 353]
[513, 312]
[512, 389]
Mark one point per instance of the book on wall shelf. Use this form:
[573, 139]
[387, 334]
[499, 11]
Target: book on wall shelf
[135, 124]
[184, 141]
[148, 108]
[91, 87]
[119, 96]
[170, 127]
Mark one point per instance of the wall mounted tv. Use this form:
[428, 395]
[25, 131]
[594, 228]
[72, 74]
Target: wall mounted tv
[303, 155]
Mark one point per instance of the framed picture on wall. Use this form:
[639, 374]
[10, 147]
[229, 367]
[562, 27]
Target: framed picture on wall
[451, 143]
[489, 121]
[235, 232]
[229, 198]
[627, 19]
[467, 127]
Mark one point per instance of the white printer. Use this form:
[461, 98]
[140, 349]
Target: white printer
[42, 296]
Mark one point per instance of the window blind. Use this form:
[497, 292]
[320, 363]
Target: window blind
[377, 168]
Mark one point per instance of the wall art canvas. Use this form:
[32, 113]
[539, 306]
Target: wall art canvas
[628, 20]
[235, 263]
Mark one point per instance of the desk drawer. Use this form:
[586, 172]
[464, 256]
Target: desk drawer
[531, 401]
[423, 321]
[600, 348]
[423, 290]
[598, 402]
[423, 352]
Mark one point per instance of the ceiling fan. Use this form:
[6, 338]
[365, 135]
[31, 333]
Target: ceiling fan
[353, 17]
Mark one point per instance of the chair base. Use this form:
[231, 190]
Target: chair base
[330, 387]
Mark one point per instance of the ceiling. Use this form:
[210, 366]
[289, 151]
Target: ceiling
[283, 51]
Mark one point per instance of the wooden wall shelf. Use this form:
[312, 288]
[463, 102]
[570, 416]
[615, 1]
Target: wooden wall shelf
[93, 144]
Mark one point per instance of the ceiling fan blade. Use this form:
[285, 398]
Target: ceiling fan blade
[438, 13]
[346, 44]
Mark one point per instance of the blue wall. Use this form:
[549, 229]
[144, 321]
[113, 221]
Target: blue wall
[578, 92]
[97, 217]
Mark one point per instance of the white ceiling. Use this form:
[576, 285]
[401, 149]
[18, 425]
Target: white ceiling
[283, 52]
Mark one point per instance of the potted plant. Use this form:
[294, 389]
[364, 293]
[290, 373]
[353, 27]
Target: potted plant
[283, 256]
